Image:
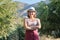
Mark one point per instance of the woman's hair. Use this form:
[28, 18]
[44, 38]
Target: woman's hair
[29, 16]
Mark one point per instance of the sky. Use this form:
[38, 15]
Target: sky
[29, 1]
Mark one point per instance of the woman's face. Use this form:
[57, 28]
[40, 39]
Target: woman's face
[31, 13]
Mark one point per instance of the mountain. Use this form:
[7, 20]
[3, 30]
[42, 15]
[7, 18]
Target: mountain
[23, 11]
[20, 6]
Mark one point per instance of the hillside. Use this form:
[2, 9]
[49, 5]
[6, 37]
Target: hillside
[23, 12]
[23, 7]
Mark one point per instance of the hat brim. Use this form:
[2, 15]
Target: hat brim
[31, 10]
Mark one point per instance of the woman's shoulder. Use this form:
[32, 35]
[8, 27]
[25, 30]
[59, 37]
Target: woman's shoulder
[26, 19]
[37, 19]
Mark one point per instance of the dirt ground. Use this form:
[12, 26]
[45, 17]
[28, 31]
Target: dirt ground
[48, 38]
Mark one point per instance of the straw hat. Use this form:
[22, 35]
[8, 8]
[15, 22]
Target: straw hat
[31, 9]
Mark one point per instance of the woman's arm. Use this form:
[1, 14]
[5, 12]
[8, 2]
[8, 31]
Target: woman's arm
[26, 26]
[38, 26]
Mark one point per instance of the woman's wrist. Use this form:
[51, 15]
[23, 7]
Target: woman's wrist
[29, 28]
[37, 27]
[34, 27]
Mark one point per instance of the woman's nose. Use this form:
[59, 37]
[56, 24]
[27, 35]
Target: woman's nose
[31, 13]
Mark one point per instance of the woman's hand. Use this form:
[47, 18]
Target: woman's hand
[34, 27]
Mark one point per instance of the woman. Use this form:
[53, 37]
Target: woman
[31, 25]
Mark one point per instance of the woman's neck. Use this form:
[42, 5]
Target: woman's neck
[32, 18]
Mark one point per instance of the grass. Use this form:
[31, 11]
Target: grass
[44, 37]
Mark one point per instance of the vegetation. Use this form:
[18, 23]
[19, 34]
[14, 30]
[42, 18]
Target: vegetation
[11, 26]
[7, 23]
[50, 16]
